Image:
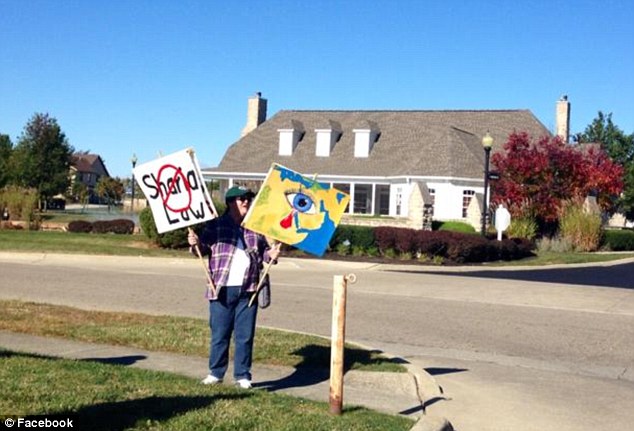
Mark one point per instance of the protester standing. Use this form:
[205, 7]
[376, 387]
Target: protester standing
[236, 257]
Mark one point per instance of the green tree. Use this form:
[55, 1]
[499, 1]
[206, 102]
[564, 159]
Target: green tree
[620, 148]
[110, 189]
[80, 193]
[6, 148]
[42, 157]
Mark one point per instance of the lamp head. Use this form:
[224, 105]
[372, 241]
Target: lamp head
[133, 160]
[487, 141]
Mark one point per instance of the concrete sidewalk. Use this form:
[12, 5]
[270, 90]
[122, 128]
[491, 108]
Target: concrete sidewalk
[407, 394]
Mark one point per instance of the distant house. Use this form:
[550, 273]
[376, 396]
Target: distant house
[87, 169]
[393, 163]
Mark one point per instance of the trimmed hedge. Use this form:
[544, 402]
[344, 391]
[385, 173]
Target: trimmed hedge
[118, 226]
[360, 236]
[619, 240]
[80, 226]
[453, 246]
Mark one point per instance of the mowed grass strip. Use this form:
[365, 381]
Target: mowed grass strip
[99, 396]
[182, 335]
[83, 243]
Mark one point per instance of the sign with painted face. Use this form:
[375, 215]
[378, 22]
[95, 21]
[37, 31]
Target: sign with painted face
[175, 190]
[296, 210]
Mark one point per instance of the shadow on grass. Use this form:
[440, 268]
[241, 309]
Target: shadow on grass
[126, 414]
[314, 367]
[121, 415]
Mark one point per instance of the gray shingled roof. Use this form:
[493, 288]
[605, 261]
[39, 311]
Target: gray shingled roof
[417, 143]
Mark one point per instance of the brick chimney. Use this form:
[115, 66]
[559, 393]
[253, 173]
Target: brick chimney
[256, 113]
[562, 118]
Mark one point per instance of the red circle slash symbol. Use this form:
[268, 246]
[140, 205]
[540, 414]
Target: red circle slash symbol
[178, 174]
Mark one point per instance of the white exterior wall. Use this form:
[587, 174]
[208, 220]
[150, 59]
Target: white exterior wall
[405, 190]
[448, 200]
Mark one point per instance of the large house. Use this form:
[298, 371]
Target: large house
[394, 164]
[87, 169]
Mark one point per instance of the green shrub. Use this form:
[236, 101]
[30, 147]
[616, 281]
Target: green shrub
[21, 204]
[343, 248]
[360, 236]
[522, 227]
[220, 206]
[358, 250]
[372, 251]
[554, 244]
[406, 256]
[172, 239]
[580, 228]
[618, 240]
[390, 252]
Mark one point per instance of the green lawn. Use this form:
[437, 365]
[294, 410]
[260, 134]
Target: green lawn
[83, 243]
[183, 335]
[99, 396]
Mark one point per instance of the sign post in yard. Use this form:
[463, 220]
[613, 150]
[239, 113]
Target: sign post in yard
[338, 339]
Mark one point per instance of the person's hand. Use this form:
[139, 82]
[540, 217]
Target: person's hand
[274, 251]
[192, 238]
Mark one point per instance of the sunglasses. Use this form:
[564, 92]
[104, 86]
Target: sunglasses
[244, 198]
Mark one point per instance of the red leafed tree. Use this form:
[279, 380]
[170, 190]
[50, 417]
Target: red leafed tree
[546, 173]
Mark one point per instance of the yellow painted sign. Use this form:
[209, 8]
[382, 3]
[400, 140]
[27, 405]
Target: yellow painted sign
[296, 210]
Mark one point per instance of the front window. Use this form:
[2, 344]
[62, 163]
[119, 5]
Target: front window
[362, 199]
[432, 200]
[467, 195]
[382, 199]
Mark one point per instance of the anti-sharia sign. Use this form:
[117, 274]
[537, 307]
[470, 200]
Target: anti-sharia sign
[175, 190]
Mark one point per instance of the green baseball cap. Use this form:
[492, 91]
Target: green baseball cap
[238, 191]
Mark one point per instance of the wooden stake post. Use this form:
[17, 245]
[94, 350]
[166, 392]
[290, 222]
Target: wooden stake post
[338, 339]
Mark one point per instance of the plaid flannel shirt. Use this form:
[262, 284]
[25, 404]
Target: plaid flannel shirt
[219, 239]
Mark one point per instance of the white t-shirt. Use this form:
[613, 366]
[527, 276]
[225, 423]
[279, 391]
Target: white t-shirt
[239, 264]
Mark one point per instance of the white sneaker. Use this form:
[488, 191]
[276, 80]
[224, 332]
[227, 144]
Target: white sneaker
[211, 380]
[244, 383]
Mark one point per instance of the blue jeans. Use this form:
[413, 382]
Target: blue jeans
[231, 313]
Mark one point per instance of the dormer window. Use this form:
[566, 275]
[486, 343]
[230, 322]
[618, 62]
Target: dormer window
[326, 138]
[364, 138]
[290, 137]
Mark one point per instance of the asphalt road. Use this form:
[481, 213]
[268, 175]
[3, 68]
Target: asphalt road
[513, 349]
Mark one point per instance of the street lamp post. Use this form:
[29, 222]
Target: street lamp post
[487, 143]
[133, 160]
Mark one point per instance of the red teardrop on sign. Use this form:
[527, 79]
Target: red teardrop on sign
[287, 221]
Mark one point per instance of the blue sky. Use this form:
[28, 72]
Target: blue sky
[132, 76]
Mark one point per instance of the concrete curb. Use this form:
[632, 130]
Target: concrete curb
[427, 389]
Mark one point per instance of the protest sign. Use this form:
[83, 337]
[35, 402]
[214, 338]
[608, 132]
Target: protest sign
[175, 190]
[296, 210]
